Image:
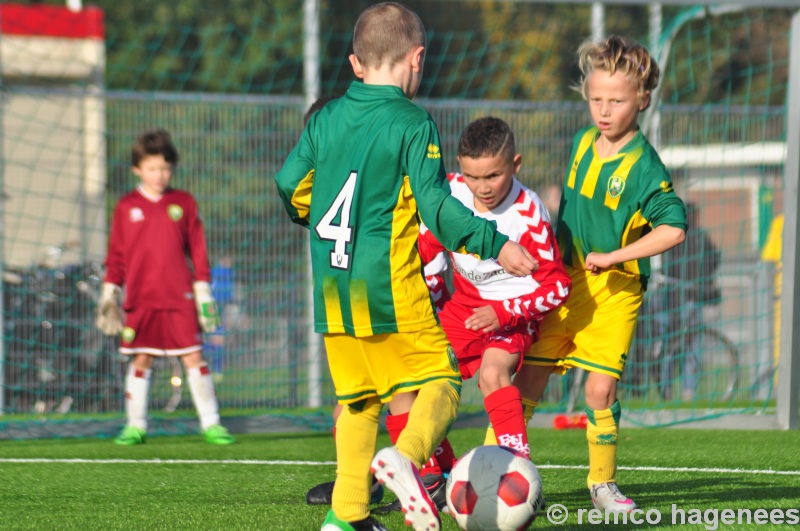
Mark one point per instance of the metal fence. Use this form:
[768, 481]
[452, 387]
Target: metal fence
[230, 148]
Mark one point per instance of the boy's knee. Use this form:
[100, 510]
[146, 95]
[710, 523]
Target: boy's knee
[601, 393]
[193, 359]
[491, 380]
[142, 361]
[497, 368]
[531, 380]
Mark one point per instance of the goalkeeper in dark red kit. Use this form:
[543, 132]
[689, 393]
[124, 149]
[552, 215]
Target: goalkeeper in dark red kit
[154, 230]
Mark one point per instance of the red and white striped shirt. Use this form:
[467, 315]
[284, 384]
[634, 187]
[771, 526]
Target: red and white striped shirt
[516, 300]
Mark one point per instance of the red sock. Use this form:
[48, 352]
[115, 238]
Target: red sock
[334, 433]
[504, 407]
[444, 459]
[395, 424]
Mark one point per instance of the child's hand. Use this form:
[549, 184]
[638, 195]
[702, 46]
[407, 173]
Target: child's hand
[599, 262]
[483, 319]
[516, 259]
[110, 318]
[207, 312]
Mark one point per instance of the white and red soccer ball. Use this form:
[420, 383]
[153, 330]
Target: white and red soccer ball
[493, 488]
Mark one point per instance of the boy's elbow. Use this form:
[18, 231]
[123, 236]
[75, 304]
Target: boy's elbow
[680, 236]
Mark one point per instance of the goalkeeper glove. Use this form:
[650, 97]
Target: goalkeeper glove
[109, 314]
[207, 312]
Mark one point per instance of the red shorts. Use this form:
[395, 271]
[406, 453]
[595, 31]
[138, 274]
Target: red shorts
[161, 332]
[471, 344]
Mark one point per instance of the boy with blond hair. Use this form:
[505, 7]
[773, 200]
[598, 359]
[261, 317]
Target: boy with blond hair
[367, 167]
[618, 209]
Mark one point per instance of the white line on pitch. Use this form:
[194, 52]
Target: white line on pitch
[330, 463]
[166, 461]
[684, 469]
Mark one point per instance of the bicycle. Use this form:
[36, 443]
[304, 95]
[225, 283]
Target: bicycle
[676, 352]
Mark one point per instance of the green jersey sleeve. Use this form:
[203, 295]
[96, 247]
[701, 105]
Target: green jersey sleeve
[295, 179]
[660, 204]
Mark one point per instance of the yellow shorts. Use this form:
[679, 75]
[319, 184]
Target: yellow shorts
[594, 328]
[387, 364]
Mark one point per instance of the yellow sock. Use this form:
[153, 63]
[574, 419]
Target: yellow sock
[429, 420]
[528, 408]
[602, 431]
[491, 438]
[356, 439]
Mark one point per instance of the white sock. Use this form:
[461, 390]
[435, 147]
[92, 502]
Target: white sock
[137, 388]
[201, 386]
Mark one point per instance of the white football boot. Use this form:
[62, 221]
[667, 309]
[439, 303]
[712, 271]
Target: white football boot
[607, 497]
[402, 477]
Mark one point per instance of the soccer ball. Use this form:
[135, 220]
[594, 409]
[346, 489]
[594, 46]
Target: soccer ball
[493, 488]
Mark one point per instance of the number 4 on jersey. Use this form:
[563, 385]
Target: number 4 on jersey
[339, 233]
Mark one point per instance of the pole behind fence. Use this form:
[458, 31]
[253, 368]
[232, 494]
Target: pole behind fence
[789, 364]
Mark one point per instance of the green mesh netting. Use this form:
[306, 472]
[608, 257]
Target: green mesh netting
[226, 78]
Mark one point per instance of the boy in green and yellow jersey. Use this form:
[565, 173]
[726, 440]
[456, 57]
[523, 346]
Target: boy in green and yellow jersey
[617, 210]
[366, 170]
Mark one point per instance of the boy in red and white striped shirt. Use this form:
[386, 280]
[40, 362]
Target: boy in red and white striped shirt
[493, 316]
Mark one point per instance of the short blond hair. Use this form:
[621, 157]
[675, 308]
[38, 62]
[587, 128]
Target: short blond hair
[618, 54]
[385, 33]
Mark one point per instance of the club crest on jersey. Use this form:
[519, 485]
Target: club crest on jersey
[128, 334]
[136, 215]
[175, 212]
[451, 357]
[666, 186]
[434, 152]
[616, 185]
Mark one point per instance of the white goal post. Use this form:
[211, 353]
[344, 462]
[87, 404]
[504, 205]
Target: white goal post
[789, 361]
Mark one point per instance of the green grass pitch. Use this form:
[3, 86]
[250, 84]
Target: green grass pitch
[260, 482]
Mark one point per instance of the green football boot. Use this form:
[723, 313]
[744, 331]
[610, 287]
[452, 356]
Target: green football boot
[217, 434]
[332, 523]
[130, 436]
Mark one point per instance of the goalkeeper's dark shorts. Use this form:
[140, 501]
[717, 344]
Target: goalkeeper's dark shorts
[161, 332]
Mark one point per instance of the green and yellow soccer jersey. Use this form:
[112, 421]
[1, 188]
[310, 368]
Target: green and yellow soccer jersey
[609, 203]
[365, 170]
